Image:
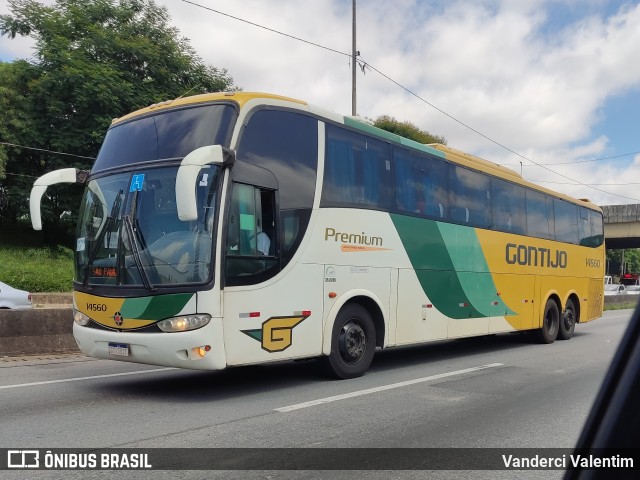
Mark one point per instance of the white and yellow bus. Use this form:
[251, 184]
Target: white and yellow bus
[240, 228]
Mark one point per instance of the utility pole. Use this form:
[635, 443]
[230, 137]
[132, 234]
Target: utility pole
[354, 53]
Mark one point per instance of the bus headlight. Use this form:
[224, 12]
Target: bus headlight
[184, 323]
[80, 318]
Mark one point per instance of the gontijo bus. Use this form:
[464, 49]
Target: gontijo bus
[239, 228]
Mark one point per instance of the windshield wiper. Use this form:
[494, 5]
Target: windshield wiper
[107, 228]
[135, 250]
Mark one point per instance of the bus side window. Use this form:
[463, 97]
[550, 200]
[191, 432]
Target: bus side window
[566, 215]
[252, 245]
[470, 197]
[508, 203]
[590, 228]
[540, 217]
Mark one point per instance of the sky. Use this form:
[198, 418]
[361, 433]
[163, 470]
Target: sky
[550, 88]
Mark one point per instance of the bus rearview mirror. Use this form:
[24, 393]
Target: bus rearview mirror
[63, 175]
[188, 172]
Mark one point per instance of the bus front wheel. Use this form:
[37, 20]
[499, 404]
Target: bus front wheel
[568, 321]
[550, 323]
[353, 343]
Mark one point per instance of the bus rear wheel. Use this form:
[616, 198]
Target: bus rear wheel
[568, 321]
[550, 323]
[353, 343]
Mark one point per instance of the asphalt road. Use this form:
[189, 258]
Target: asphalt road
[501, 391]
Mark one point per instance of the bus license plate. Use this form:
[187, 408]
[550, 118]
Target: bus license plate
[120, 349]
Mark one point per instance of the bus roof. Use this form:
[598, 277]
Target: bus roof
[444, 151]
[238, 97]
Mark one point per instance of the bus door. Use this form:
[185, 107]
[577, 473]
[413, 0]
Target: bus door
[269, 314]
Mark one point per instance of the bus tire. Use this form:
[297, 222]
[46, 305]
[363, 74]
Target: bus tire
[568, 321]
[550, 323]
[353, 343]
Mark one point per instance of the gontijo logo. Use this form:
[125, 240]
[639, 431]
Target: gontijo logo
[354, 242]
[276, 334]
[531, 256]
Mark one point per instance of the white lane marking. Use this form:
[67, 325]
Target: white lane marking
[78, 379]
[382, 388]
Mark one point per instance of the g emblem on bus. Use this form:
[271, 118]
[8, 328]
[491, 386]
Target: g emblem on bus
[276, 334]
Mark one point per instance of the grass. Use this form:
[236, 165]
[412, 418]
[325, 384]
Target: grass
[621, 306]
[27, 265]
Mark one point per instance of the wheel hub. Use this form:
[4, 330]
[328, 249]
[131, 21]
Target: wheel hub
[353, 342]
[569, 318]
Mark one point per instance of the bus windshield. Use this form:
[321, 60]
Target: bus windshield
[129, 233]
[167, 134]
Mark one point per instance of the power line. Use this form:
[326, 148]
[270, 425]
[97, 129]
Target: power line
[45, 150]
[367, 64]
[590, 184]
[576, 161]
[20, 175]
[268, 29]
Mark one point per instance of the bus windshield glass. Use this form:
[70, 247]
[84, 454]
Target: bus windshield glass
[129, 233]
[165, 135]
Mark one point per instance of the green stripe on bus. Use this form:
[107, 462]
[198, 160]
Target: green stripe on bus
[472, 269]
[156, 308]
[135, 307]
[450, 266]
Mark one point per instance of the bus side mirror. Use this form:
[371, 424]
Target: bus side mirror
[64, 175]
[188, 172]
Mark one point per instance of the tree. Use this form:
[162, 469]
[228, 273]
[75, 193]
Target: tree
[631, 260]
[15, 127]
[95, 60]
[407, 130]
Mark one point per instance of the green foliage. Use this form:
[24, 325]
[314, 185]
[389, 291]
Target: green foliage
[95, 60]
[37, 269]
[407, 130]
[631, 260]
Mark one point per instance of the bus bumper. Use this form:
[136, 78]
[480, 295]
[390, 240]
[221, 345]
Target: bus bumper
[179, 349]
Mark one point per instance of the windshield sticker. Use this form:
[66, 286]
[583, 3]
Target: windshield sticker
[205, 180]
[111, 240]
[136, 183]
[247, 222]
[80, 244]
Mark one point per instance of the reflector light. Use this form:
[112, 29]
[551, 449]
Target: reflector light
[201, 351]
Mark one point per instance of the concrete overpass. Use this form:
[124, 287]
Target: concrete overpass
[622, 226]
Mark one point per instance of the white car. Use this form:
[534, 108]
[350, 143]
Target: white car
[13, 298]
[633, 289]
[614, 289]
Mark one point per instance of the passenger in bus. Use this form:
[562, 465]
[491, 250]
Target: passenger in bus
[263, 243]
